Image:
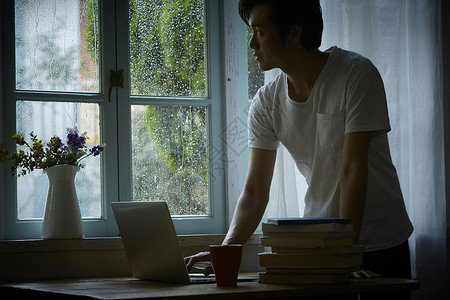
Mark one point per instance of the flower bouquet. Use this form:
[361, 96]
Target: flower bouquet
[54, 153]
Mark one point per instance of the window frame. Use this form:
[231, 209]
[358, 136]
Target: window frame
[115, 131]
[214, 223]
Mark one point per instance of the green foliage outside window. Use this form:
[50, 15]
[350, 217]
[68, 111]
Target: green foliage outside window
[167, 51]
[169, 143]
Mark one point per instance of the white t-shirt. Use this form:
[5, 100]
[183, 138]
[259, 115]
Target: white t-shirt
[348, 96]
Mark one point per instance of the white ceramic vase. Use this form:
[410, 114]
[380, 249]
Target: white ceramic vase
[62, 217]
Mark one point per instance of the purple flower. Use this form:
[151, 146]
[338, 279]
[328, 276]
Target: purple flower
[74, 139]
[96, 150]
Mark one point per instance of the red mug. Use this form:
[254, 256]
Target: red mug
[226, 260]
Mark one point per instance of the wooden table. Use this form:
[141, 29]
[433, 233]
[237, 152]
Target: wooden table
[130, 288]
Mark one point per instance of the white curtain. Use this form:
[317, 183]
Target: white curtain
[403, 39]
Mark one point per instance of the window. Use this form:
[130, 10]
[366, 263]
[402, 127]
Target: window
[161, 126]
[255, 75]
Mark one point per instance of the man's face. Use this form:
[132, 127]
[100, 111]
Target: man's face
[265, 40]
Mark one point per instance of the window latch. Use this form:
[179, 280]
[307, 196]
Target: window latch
[115, 80]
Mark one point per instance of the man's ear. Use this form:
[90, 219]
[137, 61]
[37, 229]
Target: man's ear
[294, 34]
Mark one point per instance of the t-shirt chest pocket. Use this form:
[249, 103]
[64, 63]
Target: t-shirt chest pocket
[330, 132]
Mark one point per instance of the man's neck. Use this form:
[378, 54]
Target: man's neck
[303, 71]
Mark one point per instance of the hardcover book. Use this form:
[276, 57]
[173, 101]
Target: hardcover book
[307, 227]
[307, 221]
[268, 241]
[272, 260]
[316, 250]
[302, 278]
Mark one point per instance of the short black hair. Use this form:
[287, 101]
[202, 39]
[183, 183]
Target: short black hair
[286, 13]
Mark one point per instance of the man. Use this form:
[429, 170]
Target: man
[329, 110]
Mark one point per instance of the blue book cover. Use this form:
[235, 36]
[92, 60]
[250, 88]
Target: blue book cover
[307, 221]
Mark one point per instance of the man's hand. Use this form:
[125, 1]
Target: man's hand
[363, 274]
[201, 261]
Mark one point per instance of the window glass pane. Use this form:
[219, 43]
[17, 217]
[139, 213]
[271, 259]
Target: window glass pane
[32, 188]
[57, 45]
[167, 48]
[169, 157]
[255, 75]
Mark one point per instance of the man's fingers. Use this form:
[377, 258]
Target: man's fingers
[208, 270]
[200, 260]
[362, 274]
[188, 261]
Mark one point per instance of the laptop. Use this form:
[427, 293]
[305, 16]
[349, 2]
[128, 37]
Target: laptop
[151, 244]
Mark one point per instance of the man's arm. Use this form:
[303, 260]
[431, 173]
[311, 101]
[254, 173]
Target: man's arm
[254, 197]
[353, 177]
[250, 206]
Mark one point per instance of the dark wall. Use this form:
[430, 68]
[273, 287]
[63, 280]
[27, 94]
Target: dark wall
[446, 69]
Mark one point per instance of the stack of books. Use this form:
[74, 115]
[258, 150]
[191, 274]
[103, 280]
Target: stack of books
[308, 250]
